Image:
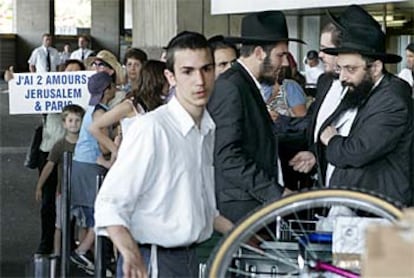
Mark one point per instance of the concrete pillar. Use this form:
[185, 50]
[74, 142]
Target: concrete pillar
[155, 22]
[311, 26]
[32, 18]
[105, 25]
[294, 28]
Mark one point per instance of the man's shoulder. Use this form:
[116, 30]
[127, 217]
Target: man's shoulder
[52, 49]
[37, 49]
[404, 72]
[236, 70]
[153, 119]
[395, 82]
[234, 75]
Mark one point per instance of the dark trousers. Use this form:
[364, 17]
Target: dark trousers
[48, 208]
[172, 262]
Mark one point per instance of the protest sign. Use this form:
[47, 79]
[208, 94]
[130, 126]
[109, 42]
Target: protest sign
[49, 92]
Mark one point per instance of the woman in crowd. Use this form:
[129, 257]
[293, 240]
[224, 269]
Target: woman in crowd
[133, 62]
[150, 93]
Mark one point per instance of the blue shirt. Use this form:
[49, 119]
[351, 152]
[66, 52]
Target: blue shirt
[87, 148]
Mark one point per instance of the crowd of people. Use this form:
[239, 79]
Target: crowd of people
[195, 141]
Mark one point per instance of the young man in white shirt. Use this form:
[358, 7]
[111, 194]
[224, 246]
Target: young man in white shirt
[44, 58]
[165, 203]
[408, 73]
[83, 51]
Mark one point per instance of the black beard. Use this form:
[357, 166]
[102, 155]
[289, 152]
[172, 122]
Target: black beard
[356, 95]
[267, 75]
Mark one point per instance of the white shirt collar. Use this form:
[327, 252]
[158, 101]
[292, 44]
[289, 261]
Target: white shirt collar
[250, 73]
[185, 121]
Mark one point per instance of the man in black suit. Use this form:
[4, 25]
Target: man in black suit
[368, 140]
[246, 161]
[329, 90]
[328, 95]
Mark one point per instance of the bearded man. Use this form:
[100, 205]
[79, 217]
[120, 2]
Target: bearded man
[245, 153]
[367, 142]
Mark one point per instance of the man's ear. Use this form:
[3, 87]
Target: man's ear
[170, 77]
[259, 53]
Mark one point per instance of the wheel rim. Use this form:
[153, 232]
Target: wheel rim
[292, 205]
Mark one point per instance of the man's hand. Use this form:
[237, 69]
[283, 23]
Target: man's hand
[38, 193]
[274, 115]
[133, 266]
[303, 162]
[327, 134]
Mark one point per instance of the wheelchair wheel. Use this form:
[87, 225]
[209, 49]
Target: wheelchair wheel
[286, 238]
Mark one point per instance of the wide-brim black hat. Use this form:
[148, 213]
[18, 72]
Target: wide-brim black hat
[360, 33]
[263, 28]
[353, 14]
[366, 40]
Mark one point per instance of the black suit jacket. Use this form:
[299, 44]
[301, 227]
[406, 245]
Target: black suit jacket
[377, 155]
[245, 148]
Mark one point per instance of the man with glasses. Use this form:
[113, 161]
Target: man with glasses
[107, 62]
[224, 52]
[367, 142]
[329, 93]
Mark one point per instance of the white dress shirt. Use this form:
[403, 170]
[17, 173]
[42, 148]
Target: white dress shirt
[38, 58]
[312, 74]
[407, 75]
[77, 54]
[161, 187]
[329, 104]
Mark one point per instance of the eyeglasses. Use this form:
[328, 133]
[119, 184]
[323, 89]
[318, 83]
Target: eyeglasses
[350, 69]
[100, 64]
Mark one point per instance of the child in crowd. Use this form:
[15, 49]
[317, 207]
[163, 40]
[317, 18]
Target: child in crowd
[84, 168]
[72, 117]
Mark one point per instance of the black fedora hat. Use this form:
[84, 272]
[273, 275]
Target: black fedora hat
[367, 40]
[263, 27]
[352, 14]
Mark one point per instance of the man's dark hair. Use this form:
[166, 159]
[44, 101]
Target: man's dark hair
[247, 49]
[185, 40]
[312, 55]
[370, 60]
[410, 47]
[85, 37]
[74, 61]
[215, 45]
[335, 33]
[136, 53]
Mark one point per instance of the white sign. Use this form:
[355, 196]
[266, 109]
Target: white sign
[49, 92]
[349, 233]
[248, 6]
